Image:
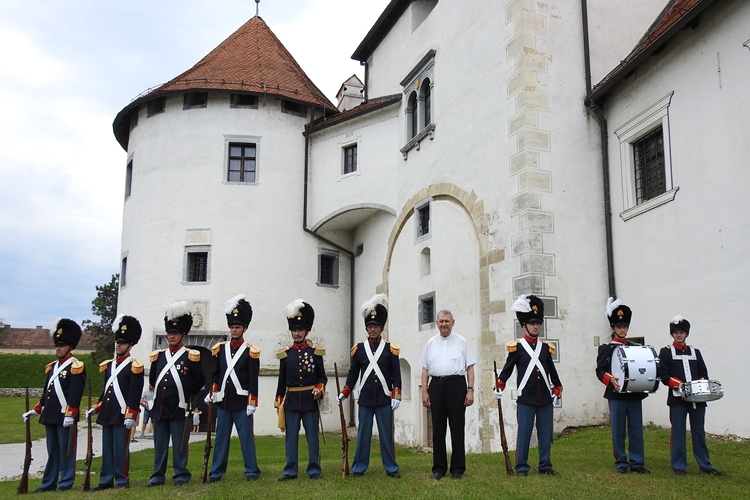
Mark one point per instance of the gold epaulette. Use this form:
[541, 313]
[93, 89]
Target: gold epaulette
[193, 355]
[253, 351]
[103, 365]
[136, 366]
[215, 349]
[319, 350]
[49, 366]
[281, 353]
[154, 355]
[354, 349]
[76, 368]
[395, 349]
[511, 346]
[551, 347]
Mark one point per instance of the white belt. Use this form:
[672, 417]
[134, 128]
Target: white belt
[58, 387]
[373, 366]
[534, 355]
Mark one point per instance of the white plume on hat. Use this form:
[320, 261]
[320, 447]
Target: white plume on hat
[294, 308]
[177, 310]
[522, 304]
[368, 306]
[116, 323]
[53, 328]
[677, 319]
[232, 303]
[612, 304]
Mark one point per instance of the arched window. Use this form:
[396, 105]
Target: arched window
[412, 115]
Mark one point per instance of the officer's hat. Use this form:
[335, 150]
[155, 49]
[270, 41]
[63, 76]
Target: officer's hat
[238, 311]
[65, 332]
[374, 310]
[177, 317]
[618, 313]
[300, 315]
[679, 323]
[529, 309]
[127, 330]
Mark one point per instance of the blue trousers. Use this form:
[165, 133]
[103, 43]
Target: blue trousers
[310, 420]
[163, 430]
[384, 417]
[526, 415]
[114, 445]
[627, 415]
[244, 426]
[59, 461]
[677, 416]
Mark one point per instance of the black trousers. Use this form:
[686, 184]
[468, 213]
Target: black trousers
[447, 402]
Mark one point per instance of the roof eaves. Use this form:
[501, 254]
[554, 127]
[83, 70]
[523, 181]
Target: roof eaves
[380, 29]
[368, 107]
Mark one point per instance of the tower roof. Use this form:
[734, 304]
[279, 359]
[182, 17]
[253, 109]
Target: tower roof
[252, 59]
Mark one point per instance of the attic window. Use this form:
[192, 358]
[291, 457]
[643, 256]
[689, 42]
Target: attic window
[192, 100]
[156, 106]
[293, 108]
[243, 101]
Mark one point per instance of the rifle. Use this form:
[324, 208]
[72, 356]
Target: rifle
[207, 449]
[186, 426]
[23, 486]
[503, 441]
[344, 435]
[89, 449]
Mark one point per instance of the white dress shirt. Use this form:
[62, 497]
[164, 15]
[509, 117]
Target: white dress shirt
[445, 356]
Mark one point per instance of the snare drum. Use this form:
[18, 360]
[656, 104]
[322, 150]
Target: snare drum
[636, 368]
[700, 391]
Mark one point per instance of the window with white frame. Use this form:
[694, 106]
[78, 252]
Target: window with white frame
[418, 103]
[241, 159]
[350, 159]
[197, 264]
[422, 221]
[645, 159]
[426, 311]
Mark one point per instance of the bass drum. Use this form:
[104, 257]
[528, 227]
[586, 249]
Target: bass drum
[636, 367]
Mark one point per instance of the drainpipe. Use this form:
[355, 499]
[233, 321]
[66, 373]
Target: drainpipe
[603, 138]
[367, 74]
[348, 252]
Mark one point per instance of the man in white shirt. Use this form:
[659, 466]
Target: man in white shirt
[447, 362]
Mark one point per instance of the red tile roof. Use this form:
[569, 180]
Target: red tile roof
[37, 338]
[364, 108]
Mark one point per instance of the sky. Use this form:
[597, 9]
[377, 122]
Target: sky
[68, 68]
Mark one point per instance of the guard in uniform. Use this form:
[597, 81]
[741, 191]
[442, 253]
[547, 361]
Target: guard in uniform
[58, 407]
[235, 391]
[375, 364]
[302, 381]
[679, 363]
[537, 382]
[119, 404]
[176, 377]
[625, 408]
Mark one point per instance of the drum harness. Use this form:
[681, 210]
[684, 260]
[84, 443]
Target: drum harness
[686, 359]
[534, 355]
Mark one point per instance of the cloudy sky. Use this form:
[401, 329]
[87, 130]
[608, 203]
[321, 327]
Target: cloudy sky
[68, 67]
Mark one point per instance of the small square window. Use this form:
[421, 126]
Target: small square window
[426, 311]
[128, 179]
[197, 266]
[192, 100]
[243, 101]
[293, 108]
[242, 164]
[350, 159]
[648, 154]
[328, 269]
[156, 106]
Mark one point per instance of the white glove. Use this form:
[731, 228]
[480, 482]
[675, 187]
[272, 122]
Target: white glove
[554, 400]
[395, 403]
[90, 412]
[129, 423]
[250, 410]
[208, 399]
[29, 414]
[498, 394]
[340, 398]
[68, 421]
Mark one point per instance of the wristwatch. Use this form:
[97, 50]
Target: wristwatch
[470, 388]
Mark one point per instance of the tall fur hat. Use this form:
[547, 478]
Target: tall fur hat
[127, 330]
[177, 317]
[65, 332]
[618, 313]
[529, 309]
[679, 323]
[300, 315]
[374, 310]
[238, 311]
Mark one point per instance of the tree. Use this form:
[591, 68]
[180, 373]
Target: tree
[105, 307]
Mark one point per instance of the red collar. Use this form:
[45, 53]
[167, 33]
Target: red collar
[679, 347]
[174, 350]
[119, 360]
[301, 346]
[619, 340]
[61, 361]
[236, 343]
[530, 339]
[372, 342]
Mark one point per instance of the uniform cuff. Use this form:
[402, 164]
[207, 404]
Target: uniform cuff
[396, 393]
[277, 401]
[674, 383]
[252, 400]
[71, 412]
[557, 390]
[38, 407]
[131, 413]
[322, 388]
[347, 391]
[97, 406]
[215, 388]
[606, 378]
[500, 385]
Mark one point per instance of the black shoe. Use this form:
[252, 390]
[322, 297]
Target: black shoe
[640, 470]
[315, 476]
[101, 487]
[151, 485]
[679, 472]
[286, 478]
[64, 488]
[522, 473]
[253, 478]
[122, 486]
[356, 474]
[394, 475]
[713, 472]
[212, 480]
[622, 470]
[437, 476]
[180, 483]
[549, 472]
[456, 475]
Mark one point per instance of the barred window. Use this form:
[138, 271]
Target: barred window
[350, 159]
[650, 178]
[242, 165]
[426, 310]
[328, 269]
[197, 266]
[423, 220]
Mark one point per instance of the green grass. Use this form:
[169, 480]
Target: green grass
[21, 370]
[12, 428]
[583, 458]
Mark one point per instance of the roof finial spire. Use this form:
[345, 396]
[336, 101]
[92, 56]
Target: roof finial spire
[257, 3]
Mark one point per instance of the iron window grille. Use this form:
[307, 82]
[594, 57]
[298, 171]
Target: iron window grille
[197, 266]
[328, 270]
[650, 177]
[423, 220]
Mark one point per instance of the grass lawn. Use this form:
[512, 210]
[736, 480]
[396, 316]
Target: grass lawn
[12, 428]
[583, 458]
